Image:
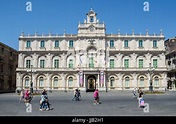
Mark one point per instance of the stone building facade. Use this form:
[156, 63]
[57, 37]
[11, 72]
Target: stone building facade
[170, 45]
[8, 65]
[91, 59]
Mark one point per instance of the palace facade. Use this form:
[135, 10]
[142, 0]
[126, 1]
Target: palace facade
[91, 59]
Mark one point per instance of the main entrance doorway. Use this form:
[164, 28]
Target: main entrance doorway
[91, 83]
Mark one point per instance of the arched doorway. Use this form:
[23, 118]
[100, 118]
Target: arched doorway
[91, 83]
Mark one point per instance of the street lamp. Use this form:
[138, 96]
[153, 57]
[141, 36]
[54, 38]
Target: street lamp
[106, 87]
[106, 82]
[150, 70]
[31, 84]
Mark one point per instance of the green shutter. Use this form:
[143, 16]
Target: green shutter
[141, 63]
[111, 63]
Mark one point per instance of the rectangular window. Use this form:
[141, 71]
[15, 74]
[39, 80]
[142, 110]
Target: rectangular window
[10, 70]
[42, 63]
[111, 43]
[28, 44]
[126, 63]
[56, 63]
[56, 43]
[1, 69]
[155, 63]
[28, 63]
[154, 43]
[111, 63]
[126, 43]
[71, 63]
[91, 62]
[71, 43]
[140, 63]
[42, 43]
[140, 43]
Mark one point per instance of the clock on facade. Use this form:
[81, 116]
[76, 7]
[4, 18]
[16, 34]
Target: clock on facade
[91, 28]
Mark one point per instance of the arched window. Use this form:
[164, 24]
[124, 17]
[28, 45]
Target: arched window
[27, 82]
[141, 82]
[41, 82]
[70, 82]
[91, 19]
[127, 81]
[156, 82]
[55, 83]
[112, 82]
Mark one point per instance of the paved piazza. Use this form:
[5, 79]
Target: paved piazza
[114, 103]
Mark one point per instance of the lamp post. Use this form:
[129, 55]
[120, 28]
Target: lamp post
[150, 70]
[106, 87]
[106, 83]
[31, 84]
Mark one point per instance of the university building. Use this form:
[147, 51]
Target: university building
[92, 59]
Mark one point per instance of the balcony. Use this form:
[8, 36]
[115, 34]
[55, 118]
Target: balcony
[95, 68]
[71, 48]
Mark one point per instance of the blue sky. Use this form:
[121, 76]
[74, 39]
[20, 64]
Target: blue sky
[57, 15]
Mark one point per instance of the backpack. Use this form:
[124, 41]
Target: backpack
[142, 102]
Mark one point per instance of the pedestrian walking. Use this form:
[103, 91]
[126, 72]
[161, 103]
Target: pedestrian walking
[141, 102]
[22, 94]
[96, 97]
[134, 93]
[76, 95]
[79, 94]
[27, 96]
[141, 93]
[141, 99]
[44, 101]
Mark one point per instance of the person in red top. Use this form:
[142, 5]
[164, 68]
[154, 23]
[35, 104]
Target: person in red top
[96, 97]
[27, 96]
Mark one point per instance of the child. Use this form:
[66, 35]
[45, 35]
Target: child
[141, 102]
